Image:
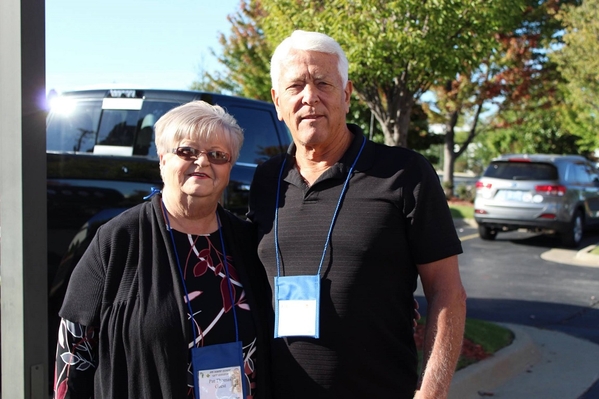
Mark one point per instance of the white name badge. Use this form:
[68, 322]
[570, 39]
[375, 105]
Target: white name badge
[297, 306]
[297, 317]
[220, 383]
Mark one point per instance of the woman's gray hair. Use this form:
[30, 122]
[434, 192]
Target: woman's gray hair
[198, 121]
[307, 41]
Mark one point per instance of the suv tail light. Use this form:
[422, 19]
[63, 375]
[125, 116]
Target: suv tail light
[549, 189]
[480, 185]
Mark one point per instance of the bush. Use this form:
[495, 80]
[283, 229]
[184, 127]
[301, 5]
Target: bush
[465, 193]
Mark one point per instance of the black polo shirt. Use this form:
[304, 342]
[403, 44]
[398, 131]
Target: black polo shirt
[393, 216]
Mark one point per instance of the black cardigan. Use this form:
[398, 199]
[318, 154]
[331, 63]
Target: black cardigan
[127, 283]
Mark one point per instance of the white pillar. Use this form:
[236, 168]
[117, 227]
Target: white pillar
[23, 200]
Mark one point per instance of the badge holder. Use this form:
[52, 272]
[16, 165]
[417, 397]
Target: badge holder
[218, 370]
[297, 306]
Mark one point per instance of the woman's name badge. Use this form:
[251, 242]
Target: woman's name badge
[218, 371]
[220, 383]
[297, 306]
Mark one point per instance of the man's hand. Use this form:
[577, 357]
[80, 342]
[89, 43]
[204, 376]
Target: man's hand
[417, 315]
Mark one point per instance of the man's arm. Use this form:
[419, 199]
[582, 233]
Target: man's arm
[445, 320]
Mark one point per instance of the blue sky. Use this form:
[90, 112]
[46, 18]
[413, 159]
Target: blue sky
[150, 43]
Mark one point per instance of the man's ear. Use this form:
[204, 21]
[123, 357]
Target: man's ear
[275, 100]
[349, 88]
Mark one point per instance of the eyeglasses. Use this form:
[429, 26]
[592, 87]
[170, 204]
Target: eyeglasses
[191, 154]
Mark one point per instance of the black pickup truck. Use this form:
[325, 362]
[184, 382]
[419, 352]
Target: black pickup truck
[101, 160]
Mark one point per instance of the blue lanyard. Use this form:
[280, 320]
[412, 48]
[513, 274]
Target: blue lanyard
[326, 244]
[222, 241]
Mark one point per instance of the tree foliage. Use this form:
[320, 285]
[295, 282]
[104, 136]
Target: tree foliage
[246, 57]
[578, 61]
[516, 79]
[545, 120]
[535, 128]
[397, 49]
[503, 73]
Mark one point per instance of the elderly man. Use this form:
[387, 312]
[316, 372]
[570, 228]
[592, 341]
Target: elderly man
[346, 228]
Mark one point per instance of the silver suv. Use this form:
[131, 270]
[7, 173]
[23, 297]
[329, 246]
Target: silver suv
[545, 193]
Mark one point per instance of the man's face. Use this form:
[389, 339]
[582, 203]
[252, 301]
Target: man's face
[311, 97]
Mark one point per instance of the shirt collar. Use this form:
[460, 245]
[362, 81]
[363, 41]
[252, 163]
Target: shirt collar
[341, 168]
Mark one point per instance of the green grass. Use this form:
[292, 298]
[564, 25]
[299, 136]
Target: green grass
[461, 211]
[595, 250]
[490, 336]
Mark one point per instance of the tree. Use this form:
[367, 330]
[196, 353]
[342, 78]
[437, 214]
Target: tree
[246, 56]
[419, 137]
[397, 49]
[541, 130]
[515, 74]
[578, 61]
[503, 78]
[246, 44]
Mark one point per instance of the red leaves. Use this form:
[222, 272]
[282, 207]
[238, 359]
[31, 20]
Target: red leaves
[470, 350]
[227, 285]
[61, 390]
[226, 294]
[202, 266]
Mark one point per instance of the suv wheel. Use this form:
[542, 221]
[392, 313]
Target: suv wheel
[486, 233]
[573, 236]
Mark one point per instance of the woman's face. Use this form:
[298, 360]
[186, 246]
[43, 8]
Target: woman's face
[196, 176]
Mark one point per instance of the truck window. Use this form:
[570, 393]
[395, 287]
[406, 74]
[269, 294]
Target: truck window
[261, 140]
[72, 126]
[83, 126]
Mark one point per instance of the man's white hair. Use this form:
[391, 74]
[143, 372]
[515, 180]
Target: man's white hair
[307, 41]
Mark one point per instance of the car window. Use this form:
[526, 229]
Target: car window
[594, 173]
[582, 174]
[521, 171]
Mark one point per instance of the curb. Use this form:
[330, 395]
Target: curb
[585, 255]
[494, 371]
[572, 257]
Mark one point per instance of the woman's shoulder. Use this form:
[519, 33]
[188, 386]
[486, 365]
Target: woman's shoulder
[128, 219]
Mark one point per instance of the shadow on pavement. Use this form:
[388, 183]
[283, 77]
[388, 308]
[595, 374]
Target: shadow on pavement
[578, 321]
[552, 241]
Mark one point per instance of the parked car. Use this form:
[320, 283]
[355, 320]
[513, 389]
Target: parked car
[546, 193]
[101, 160]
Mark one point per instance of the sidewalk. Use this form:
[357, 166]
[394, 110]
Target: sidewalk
[539, 363]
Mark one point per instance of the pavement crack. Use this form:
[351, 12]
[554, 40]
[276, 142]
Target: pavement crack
[582, 311]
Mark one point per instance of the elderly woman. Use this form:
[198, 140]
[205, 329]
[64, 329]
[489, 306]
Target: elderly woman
[170, 300]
